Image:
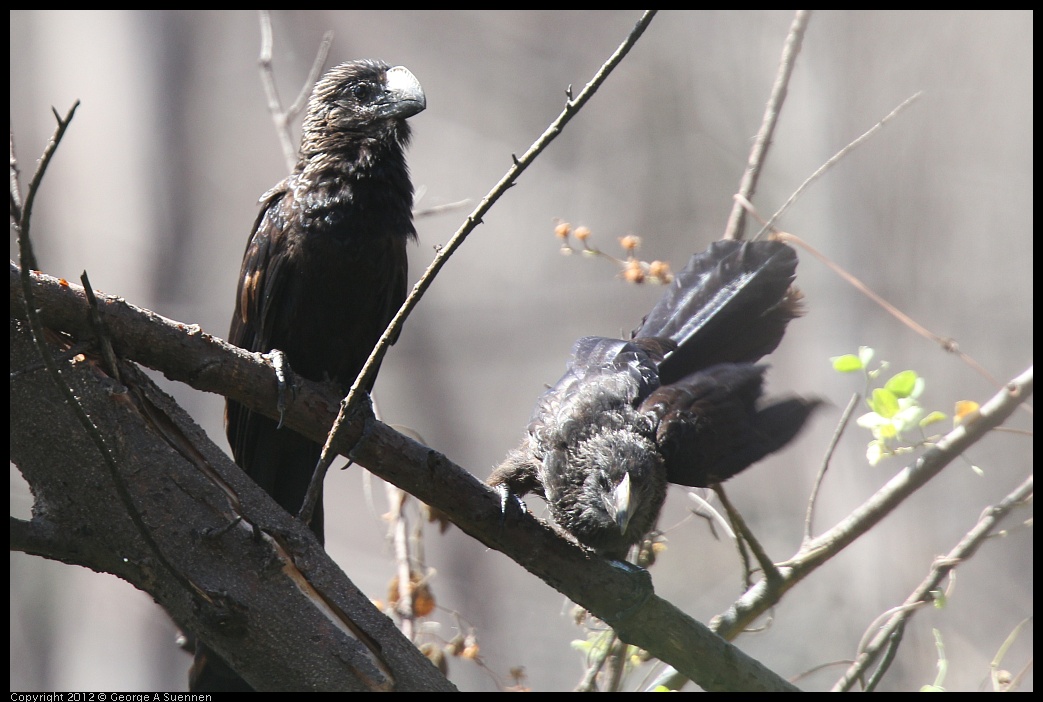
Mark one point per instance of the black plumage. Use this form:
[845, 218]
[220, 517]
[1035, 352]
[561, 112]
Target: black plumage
[679, 402]
[325, 266]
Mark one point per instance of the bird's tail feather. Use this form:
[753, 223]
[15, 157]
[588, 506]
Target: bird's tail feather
[730, 304]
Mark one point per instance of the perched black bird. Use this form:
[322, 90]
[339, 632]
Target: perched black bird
[324, 269]
[677, 403]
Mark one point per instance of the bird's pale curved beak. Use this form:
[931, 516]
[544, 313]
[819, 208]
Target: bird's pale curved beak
[618, 504]
[404, 97]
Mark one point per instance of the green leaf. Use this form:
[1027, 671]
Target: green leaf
[902, 384]
[884, 403]
[932, 418]
[848, 363]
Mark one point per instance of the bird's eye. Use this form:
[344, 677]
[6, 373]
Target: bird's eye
[362, 91]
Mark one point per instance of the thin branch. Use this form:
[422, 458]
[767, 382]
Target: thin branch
[790, 51]
[366, 375]
[25, 247]
[313, 75]
[397, 498]
[16, 191]
[834, 160]
[280, 117]
[27, 260]
[100, 331]
[946, 343]
[1000, 681]
[890, 652]
[54, 372]
[439, 209]
[966, 548]
[813, 554]
[747, 537]
[841, 425]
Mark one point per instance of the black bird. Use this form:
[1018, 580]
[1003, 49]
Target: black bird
[679, 402]
[324, 270]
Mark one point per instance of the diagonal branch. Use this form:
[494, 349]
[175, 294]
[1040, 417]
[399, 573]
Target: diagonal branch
[790, 50]
[836, 158]
[622, 597]
[283, 116]
[368, 372]
[966, 548]
[817, 551]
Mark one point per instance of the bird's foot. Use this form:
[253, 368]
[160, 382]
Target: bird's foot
[626, 566]
[505, 499]
[282, 371]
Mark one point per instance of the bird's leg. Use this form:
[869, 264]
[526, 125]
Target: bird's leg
[516, 476]
[282, 371]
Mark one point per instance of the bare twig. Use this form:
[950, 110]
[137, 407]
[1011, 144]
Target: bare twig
[746, 537]
[54, 371]
[811, 555]
[102, 334]
[743, 202]
[280, 117]
[365, 377]
[834, 160]
[16, 192]
[27, 260]
[946, 343]
[966, 548]
[439, 209]
[1001, 682]
[748, 185]
[400, 541]
[841, 425]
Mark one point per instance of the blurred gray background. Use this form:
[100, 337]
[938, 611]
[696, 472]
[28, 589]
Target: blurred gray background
[155, 188]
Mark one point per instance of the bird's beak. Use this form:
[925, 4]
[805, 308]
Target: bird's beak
[403, 97]
[618, 503]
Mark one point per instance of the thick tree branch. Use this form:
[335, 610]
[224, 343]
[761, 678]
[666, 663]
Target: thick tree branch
[250, 580]
[623, 598]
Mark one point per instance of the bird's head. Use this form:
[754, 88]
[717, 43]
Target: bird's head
[617, 502]
[364, 98]
[622, 490]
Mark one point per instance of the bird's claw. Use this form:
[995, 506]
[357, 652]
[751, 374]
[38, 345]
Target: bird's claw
[282, 371]
[505, 498]
[626, 566]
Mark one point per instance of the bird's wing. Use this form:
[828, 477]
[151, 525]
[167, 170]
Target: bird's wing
[274, 459]
[711, 424]
[261, 278]
[730, 304]
[601, 373]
